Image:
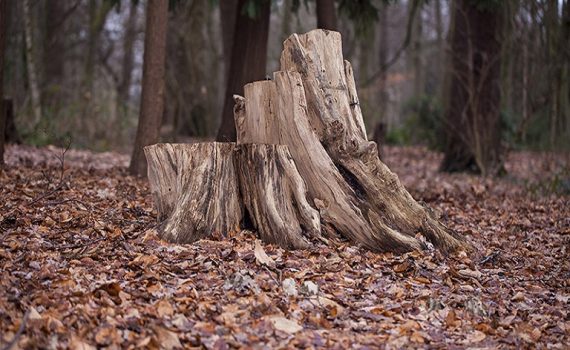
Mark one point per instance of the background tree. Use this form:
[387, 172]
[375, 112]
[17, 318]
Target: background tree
[249, 58]
[473, 125]
[3, 29]
[152, 96]
[326, 15]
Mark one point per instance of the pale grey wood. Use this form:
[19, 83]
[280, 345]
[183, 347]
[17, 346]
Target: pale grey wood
[328, 190]
[274, 195]
[334, 112]
[195, 189]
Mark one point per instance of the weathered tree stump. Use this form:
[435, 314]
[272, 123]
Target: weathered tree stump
[301, 145]
[202, 189]
[274, 195]
[314, 109]
[195, 189]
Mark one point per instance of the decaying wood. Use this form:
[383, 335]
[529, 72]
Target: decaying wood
[302, 145]
[328, 189]
[201, 189]
[274, 195]
[334, 110]
[195, 189]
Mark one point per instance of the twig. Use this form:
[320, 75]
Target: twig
[18, 333]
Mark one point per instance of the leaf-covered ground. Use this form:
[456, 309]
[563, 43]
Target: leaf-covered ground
[81, 267]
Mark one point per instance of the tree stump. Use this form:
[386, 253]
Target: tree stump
[301, 144]
[202, 189]
[195, 189]
[274, 195]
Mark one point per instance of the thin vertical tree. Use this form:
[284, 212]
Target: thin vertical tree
[152, 95]
[249, 59]
[31, 64]
[3, 29]
[472, 119]
[127, 64]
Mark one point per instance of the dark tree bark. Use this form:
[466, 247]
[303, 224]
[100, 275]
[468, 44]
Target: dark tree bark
[248, 63]
[473, 134]
[54, 49]
[326, 15]
[152, 96]
[3, 29]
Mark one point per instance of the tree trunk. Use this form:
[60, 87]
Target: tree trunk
[326, 15]
[310, 110]
[128, 56]
[152, 95]
[417, 32]
[473, 134]
[3, 29]
[248, 61]
[53, 60]
[31, 65]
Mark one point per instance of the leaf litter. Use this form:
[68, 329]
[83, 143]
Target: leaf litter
[82, 267]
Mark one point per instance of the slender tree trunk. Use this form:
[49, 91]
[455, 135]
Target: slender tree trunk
[128, 56]
[248, 61]
[440, 55]
[383, 59]
[473, 113]
[228, 13]
[31, 66]
[326, 15]
[54, 50]
[152, 96]
[3, 29]
[417, 55]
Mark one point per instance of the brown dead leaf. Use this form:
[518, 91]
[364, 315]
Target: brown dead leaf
[166, 339]
[164, 308]
[262, 257]
[280, 323]
[77, 343]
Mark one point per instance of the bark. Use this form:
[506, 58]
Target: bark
[152, 95]
[274, 195]
[248, 61]
[195, 189]
[326, 15]
[54, 50]
[472, 116]
[31, 64]
[314, 110]
[198, 191]
[3, 29]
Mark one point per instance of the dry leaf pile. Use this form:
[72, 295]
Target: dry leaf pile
[81, 267]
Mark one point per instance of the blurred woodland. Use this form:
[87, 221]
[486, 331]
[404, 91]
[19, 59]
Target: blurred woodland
[461, 76]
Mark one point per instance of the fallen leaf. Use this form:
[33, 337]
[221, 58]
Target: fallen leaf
[78, 344]
[262, 257]
[166, 339]
[282, 324]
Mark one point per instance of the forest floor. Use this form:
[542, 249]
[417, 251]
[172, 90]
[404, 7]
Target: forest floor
[81, 266]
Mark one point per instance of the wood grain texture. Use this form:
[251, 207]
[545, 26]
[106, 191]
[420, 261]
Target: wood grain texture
[334, 112]
[195, 189]
[274, 195]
